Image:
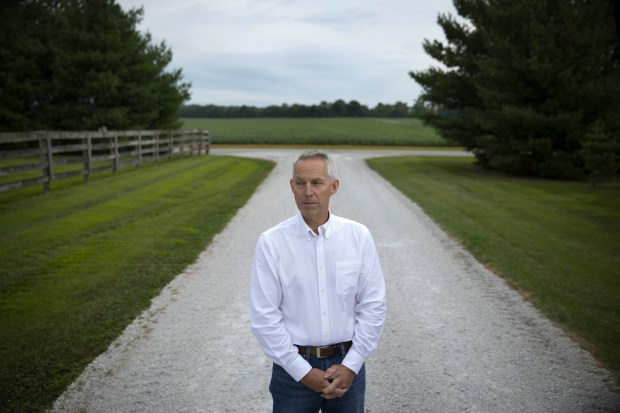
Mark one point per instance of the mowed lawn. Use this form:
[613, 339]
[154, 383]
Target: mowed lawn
[319, 131]
[557, 242]
[79, 264]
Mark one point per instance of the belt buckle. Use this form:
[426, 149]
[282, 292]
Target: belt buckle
[318, 352]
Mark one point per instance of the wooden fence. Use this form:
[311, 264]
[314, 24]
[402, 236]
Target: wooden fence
[30, 158]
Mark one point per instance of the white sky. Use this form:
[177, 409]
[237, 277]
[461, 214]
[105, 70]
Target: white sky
[263, 52]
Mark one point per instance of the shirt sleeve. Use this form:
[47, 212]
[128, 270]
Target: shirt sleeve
[266, 317]
[370, 310]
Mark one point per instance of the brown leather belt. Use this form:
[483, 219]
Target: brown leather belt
[323, 352]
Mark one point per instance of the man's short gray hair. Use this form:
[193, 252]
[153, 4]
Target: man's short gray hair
[310, 155]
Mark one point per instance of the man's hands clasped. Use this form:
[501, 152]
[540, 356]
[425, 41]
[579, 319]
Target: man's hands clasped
[332, 383]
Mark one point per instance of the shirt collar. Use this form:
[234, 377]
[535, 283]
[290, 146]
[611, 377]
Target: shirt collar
[323, 229]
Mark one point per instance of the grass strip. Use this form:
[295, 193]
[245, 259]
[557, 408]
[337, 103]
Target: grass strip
[556, 242]
[80, 264]
[319, 131]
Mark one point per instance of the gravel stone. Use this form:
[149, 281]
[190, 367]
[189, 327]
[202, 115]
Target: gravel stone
[457, 337]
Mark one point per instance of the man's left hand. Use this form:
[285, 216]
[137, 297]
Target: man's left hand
[341, 378]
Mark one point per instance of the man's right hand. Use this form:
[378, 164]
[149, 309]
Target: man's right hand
[315, 381]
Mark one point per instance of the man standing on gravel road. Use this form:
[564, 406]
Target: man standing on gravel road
[317, 298]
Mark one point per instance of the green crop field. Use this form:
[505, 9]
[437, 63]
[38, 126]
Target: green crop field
[319, 131]
[556, 242]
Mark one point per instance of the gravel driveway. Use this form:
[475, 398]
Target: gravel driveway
[456, 339]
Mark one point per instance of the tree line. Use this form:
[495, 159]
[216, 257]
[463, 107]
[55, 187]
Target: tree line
[82, 64]
[531, 87]
[338, 108]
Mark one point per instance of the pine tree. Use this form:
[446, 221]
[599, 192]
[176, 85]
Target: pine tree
[88, 67]
[525, 81]
[24, 63]
[600, 155]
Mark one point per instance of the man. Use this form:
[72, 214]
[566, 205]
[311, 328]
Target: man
[317, 298]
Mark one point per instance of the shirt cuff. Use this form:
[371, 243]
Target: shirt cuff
[353, 361]
[298, 368]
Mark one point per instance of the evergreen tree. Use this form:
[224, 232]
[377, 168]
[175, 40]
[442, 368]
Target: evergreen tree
[525, 81]
[88, 67]
[599, 151]
[24, 63]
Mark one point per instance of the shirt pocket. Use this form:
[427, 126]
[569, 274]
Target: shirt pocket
[347, 276]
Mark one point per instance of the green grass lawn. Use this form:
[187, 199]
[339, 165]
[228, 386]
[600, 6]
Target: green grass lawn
[556, 242]
[319, 131]
[79, 264]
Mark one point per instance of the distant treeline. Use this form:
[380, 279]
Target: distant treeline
[339, 108]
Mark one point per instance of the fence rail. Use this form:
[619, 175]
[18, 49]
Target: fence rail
[41, 157]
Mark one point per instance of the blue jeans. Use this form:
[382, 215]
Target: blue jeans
[290, 396]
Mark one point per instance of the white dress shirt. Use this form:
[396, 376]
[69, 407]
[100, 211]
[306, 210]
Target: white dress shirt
[316, 290]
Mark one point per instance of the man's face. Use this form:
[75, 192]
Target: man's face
[312, 188]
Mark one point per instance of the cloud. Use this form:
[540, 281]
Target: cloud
[277, 51]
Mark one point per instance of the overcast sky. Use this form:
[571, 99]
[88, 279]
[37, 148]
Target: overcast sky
[263, 52]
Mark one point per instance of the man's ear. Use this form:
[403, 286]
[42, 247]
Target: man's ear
[291, 183]
[335, 186]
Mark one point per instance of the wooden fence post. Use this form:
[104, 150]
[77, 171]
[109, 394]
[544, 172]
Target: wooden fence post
[170, 144]
[188, 142]
[156, 147]
[183, 141]
[115, 160]
[139, 149]
[88, 158]
[47, 160]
